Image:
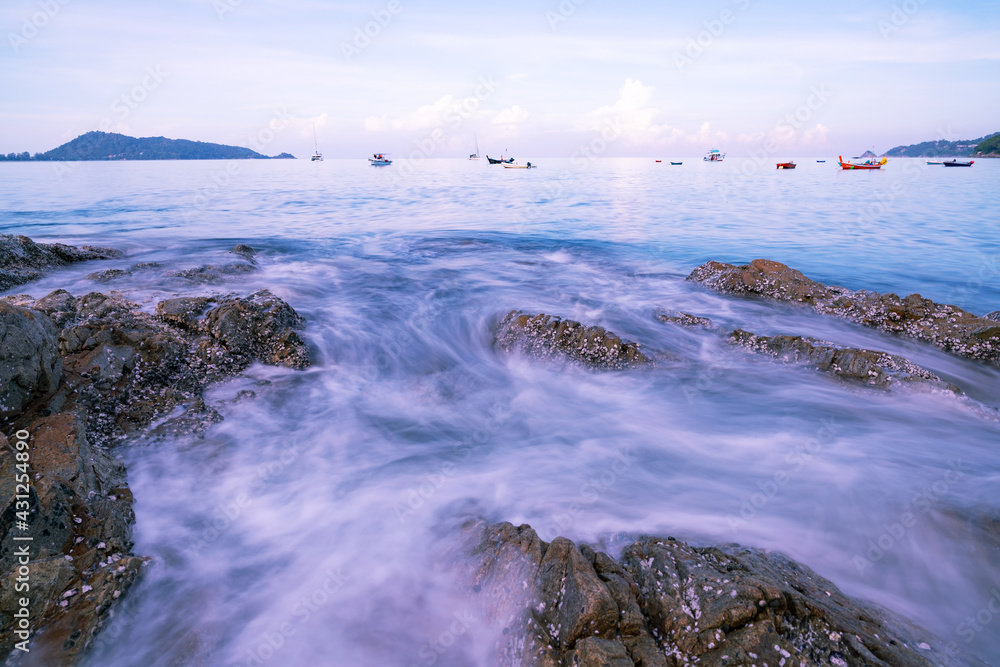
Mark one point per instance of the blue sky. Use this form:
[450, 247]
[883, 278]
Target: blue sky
[549, 78]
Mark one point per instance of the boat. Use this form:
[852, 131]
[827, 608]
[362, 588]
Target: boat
[380, 159]
[475, 156]
[820, 160]
[869, 164]
[786, 165]
[316, 156]
[676, 164]
[714, 156]
[658, 161]
[513, 165]
[500, 161]
[933, 162]
[956, 163]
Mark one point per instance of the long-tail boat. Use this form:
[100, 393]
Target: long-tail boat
[870, 164]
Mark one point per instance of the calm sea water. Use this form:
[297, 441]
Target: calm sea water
[311, 526]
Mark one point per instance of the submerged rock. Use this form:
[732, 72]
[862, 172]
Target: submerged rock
[546, 336]
[665, 603]
[30, 366]
[868, 367]
[108, 274]
[684, 319]
[245, 250]
[213, 274]
[22, 260]
[948, 327]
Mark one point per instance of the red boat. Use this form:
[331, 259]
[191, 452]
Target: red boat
[786, 165]
[864, 165]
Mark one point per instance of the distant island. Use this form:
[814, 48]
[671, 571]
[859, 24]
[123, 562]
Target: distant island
[982, 147]
[112, 146]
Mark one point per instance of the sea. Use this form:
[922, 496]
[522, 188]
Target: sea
[321, 523]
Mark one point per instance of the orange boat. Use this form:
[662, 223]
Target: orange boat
[864, 165]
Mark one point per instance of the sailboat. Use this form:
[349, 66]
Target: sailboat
[317, 156]
[475, 156]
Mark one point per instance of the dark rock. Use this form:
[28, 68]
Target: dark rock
[684, 319]
[122, 370]
[245, 250]
[22, 260]
[212, 274]
[80, 523]
[868, 367]
[30, 366]
[59, 305]
[108, 275]
[260, 327]
[948, 327]
[545, 336]
[185, 311]
[710, 606]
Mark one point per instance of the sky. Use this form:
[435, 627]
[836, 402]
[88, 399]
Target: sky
[551, 78]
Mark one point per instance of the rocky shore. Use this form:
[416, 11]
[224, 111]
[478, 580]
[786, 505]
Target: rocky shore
[78, 375]
[664, 603]
[949, 327]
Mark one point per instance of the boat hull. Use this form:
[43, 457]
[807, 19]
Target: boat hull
[953, 163]
[786, 165]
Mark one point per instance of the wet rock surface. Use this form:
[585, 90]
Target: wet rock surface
[683, 319]
[948, 327]
[871, 368]
[546, 336]
[84, 373]
[30, 365]
[22, 260]
[665, 603]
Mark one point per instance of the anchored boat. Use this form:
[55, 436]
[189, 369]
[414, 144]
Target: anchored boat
[316, 156]
[513, 165]
[956, 163]
[786, 165]
[869, 164]
[714, 156]
[380, 159]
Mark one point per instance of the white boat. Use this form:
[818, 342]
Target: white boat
[380, 159]
[317, 156]
[475, 156]
[514, 165]
[714, 156]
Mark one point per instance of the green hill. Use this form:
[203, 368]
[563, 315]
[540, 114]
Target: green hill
[112, 146]
[941, 148]
[989, 147]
